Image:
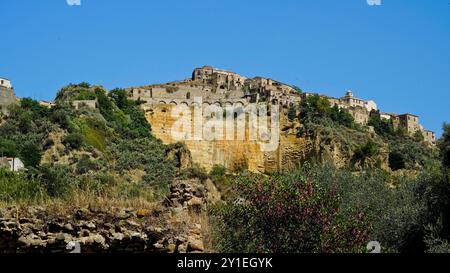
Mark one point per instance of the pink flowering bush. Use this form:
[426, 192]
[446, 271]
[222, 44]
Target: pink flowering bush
[287, 214]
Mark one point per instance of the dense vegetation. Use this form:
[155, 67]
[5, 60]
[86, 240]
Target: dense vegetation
[317, 109]
[323, 209]
[108, 151]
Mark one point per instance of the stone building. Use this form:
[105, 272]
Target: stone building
[429, 136]
[350, 101]
[221, 79]
[221, 87]
[410, 122]
[7, 96]
[359, 114]
[86, 104]
[215, 85]
[360, 109]
[47, 104]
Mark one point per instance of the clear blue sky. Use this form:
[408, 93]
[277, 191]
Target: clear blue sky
[397, 54]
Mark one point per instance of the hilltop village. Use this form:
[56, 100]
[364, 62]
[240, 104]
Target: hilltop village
[221, 87]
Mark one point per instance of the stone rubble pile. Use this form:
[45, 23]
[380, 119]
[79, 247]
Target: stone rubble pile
[115, 230]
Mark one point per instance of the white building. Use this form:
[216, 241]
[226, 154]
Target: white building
[5, 83]
[12, 163]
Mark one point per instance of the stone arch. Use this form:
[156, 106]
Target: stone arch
[173, 103]
[195, 104]
[239, 103]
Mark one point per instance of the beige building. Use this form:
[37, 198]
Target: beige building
[85, 104]
[47, 104]
[215, 85]
[221, 79]
[349, 100]
[7, 96]
[359, 114]
[410, 122]
[429, 136]
[360, 109]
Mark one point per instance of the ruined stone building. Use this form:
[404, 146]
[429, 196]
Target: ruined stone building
[411, 124]
[7, 96]
[221, 87]
[217, 86]
[85, 104]
[222, 79]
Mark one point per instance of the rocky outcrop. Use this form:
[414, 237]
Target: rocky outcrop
[315, 144]
[172, 227]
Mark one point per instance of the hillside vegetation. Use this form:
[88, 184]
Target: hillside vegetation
[402, 203]
[107, 152]
[391, 187]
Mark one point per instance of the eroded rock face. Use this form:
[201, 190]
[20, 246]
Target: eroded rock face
[168, 228]
[318, 145]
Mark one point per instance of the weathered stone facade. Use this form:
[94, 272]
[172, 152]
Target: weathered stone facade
[88, 104]
[214, 85]
[7, 96]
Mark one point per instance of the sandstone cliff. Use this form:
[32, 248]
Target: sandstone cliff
[319, 144]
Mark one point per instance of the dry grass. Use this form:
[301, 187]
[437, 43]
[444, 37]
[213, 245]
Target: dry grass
[80, 199]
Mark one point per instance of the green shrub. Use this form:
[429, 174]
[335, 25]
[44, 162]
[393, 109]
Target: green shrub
[292, 113]
[318, 110]
[195, 172]
[31, 155]
[8, 148]
[56, 180]
[365, 151]
[17, 187]
[218, 171]
[73, 141]
[289, 213]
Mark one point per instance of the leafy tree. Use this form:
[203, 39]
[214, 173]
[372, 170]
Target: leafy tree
[317, 109]
[120, 98]
[8, 148]
[418, 136]
[31, 155]
[363, 152]
[382, 127]
[36, 110]
[342, 116]
[444, 145]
